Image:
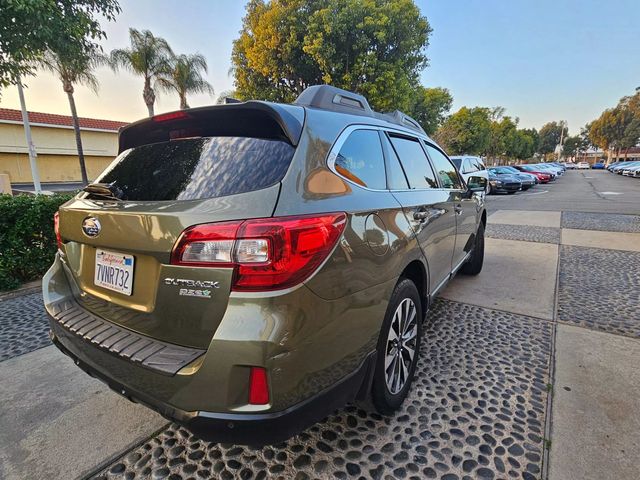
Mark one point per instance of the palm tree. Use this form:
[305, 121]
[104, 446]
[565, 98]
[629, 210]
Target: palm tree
[149, 57]
[185, 77]
[76, 70]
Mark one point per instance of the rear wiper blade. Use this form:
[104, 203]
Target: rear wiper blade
[106, 190]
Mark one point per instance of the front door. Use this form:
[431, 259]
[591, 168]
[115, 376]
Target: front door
[465, 209]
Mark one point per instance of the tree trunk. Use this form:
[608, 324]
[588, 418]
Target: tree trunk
[76, 128]
[183, 102]
[148, 96]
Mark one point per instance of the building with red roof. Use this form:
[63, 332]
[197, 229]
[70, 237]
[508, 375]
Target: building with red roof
[54, 140]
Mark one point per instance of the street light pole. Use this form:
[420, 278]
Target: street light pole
[561, 139]
[33, 155]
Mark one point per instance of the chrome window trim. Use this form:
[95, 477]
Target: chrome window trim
[344, 134]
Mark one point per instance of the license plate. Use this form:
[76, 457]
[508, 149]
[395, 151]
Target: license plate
[114, 271]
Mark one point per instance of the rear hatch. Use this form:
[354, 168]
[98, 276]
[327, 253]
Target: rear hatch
[174, 171]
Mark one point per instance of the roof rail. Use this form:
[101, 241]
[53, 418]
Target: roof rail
[328, 97]
[332, 98]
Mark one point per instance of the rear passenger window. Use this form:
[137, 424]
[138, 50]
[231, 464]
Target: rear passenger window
[360, 160]
[415, 162]
[446, 171]
[470, 166]
[396, 179]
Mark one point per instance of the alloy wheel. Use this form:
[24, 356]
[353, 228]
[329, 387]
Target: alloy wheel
[401, 346]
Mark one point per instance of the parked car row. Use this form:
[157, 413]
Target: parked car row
[583, 166]
[510, 179]
[627, 169]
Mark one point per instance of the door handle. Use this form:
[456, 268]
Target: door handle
[428, 214]
[458, 209]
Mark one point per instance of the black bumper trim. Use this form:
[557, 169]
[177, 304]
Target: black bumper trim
[255, 429]
[161, 357]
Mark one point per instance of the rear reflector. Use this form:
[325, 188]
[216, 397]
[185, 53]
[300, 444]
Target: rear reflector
[258, 387]
[56, 228]
[266, 253]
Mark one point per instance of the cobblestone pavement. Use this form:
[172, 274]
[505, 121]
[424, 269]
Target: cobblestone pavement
[23, 325]
[475, 411]
[608, 222]
[600, 289]
[523, 232]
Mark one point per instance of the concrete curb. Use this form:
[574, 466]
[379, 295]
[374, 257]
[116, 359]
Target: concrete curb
[25, 289]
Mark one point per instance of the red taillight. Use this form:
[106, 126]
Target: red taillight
[56, 228]
[258, 386]
[166, 117]
[267, 253]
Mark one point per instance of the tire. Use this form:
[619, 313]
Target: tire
[489, 189]
[390, 386]
[474, 264]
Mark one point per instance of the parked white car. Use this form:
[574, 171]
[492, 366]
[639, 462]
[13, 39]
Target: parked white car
[583, 166]
[569, 165]
[470, 166]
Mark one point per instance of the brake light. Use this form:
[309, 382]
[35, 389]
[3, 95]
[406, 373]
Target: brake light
[258, 386]
[266, 253]
[166, 117]
[56, 228]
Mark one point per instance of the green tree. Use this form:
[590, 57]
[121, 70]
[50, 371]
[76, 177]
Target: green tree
[149, 56]
[502, 135]
[373, 47]
[185, 76]
[28, 28]
[549, 136]
[71, 71]
[618, 127]
[468, 131]
[572, 146]
[431, 107]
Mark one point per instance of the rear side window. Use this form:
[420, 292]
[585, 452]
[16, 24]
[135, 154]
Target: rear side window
[446, 171]
[469, 166]
[415, 162]
[198, 168]
[360, 159]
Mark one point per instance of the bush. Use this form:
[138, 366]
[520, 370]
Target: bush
[27, 239]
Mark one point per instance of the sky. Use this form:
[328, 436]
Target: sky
[541, 60]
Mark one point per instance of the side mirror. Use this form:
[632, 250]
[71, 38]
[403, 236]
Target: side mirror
[477, 184]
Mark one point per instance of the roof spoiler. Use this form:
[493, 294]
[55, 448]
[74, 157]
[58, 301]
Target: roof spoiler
[244, 119]
[328, 97]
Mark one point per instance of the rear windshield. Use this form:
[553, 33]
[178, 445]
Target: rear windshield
[198, 168]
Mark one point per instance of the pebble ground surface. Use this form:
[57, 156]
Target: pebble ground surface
[609, 222]
[524, 233]
[476, 411]
[23, 325]
[600, 289]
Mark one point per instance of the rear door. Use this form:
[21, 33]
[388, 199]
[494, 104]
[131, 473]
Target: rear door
[117, 252]
[465, 209]
[428, 208]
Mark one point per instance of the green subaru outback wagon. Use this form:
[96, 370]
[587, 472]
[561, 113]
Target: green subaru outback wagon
[245, 269]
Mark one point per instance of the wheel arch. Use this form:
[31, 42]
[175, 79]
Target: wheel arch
[418, 273]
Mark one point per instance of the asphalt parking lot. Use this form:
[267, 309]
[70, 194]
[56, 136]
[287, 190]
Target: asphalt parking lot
[528, 371]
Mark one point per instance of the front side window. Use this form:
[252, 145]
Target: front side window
[447, 173]
[415, 162]
[361, 160]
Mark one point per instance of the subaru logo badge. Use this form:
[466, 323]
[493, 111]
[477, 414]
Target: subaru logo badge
[91, 227]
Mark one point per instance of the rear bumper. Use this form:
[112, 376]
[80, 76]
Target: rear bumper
[240, 428]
